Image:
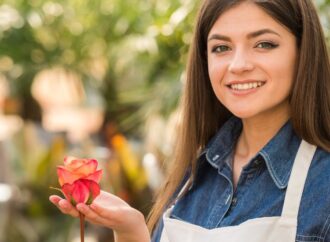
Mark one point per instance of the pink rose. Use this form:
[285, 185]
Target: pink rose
[79, 179]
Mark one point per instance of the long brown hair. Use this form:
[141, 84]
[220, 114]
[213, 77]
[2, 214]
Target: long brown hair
[203, 114]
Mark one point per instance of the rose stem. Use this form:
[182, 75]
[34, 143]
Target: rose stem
[82, 226]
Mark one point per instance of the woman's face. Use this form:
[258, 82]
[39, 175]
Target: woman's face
[251, 62]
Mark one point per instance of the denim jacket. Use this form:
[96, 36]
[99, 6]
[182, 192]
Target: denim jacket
[212, 202]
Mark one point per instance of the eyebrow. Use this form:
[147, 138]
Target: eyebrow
[249, 35]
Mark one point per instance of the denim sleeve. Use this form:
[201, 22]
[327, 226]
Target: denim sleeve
[157, 231]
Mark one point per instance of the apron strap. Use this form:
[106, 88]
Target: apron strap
[297, 180]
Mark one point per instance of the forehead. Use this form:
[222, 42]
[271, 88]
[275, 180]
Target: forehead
[245, 17]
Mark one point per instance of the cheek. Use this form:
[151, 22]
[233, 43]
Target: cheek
[217, 74]
[216, 70]
[283, 74]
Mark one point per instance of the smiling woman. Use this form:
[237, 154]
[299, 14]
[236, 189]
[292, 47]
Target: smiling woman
[250, 77]
[254, 141]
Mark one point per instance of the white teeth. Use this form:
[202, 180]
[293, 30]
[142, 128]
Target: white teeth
[246, 86]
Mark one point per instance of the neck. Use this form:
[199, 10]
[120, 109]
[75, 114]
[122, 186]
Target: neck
[256, 133]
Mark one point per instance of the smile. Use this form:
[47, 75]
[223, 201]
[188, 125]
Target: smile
[246, 86]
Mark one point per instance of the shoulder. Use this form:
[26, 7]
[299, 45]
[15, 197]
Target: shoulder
[319, 171]
[318, 179]
[314, 213]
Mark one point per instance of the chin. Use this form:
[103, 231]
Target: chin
[244, 114]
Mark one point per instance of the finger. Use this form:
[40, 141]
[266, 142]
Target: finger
[100, 210]
[54, 199]
[63, 205]
[67, 208]
[90, 215]
[113, 214]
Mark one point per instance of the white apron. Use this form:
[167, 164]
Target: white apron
[266, 229]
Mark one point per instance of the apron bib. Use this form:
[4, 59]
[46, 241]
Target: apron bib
[265, 229]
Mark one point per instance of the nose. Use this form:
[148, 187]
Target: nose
[240, 62]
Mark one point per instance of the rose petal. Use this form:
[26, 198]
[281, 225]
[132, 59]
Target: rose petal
[65, 176]
[81, 192]
[72, 163]
[94, 190]
[67, 190]
[89, 166]
[96, 176]
[69, 160]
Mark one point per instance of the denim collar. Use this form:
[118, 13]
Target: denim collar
[278, 154]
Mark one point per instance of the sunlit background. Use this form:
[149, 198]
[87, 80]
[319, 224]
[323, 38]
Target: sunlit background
[93, 78]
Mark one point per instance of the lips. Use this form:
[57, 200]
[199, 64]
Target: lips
[245, 84]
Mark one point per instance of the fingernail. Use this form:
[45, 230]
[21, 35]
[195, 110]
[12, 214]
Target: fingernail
[53, 199]
[80, 207]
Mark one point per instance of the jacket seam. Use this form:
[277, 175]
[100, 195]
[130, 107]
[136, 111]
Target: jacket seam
[326, 227]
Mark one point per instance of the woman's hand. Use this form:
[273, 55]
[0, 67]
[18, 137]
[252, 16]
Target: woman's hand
[110, 211]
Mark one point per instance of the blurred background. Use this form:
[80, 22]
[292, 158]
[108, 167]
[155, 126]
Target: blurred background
[95, 79]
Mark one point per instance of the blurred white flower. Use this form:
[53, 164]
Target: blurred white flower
[10, 18]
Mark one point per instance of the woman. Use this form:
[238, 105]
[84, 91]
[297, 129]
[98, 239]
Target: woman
[252, 161]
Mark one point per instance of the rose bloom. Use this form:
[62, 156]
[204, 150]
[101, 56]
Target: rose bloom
[79, 179]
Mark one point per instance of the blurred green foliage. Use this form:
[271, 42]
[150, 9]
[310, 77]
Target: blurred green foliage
[133, 52]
